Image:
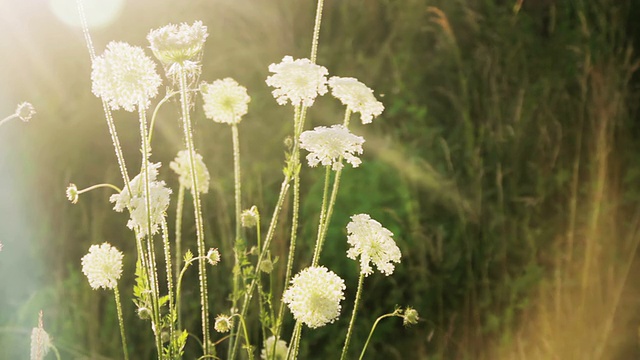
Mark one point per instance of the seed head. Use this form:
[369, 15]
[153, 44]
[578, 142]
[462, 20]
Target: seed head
[213, 256]
[223, 323]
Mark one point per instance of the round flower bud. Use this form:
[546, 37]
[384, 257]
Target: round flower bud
[25, 111]
[410, 317]
[250, 217]
[223, 323]
[72, 193]
[213, 256]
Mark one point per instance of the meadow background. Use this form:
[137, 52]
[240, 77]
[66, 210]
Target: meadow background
[506, 163]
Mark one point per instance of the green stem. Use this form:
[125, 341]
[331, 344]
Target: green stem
[204, 302]
[373, 328]
[323, 213]
[353, 316]
[294, 343]
[237, 249]
[97, 186]
[179, 208]
[152, 269]
[12, 116]
[316, 31]
[246, 336]
[167, 257]
[116, 294]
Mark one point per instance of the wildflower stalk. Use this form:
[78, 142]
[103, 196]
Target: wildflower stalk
[353, 316]
[373, 328]
[116, 294]
[167, 257]
[179, 208]
[321, 221]
[334, 194]
[294, 343]
[316, 31]
[12, 116]
[246, 336]
[237, 191]
[97, 186]
[202, 270]
[151, 266]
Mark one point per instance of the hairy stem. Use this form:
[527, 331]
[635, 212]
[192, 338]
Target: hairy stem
[353, 317]
[116, 294]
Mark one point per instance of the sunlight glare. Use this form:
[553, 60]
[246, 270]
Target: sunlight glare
[99, 12]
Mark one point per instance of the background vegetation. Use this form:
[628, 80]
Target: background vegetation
[506, 163]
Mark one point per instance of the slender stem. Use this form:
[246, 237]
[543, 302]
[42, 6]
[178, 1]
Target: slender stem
[323, 213]
[56, 352]
[179, 208]
[12, 116]
[316, 31]
[353, 317]
[238, 209]
[155, 112]
[294, 343]
[97, 186]
[204, 302]
[152, 269]
[246, 336]
[167, 257]
[116, 294]
[373, 328]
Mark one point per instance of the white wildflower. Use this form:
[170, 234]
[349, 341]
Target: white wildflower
[40, 341]
[176, 44]
[357, 97]
[328, 145]
[223, 323]
[373, 243]
[25, 111]
[213, 256]
[102, 266]
[299, 81]
[182, 167]
[125, 77]
[269, 352]
[314, 296]
[136, 202]
[225, 101]
[72, 193]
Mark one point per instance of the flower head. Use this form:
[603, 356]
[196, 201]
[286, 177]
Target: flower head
[25, 111]
[250, 217]
[125, 77]
[182, 167]
[213, 256]
[269, 352]
[102, 266]
[373, 243]
[225, 101]
[299, 81]
[314, 296]
[410, 317]
[223, 323]
[72, 193]
[173, 44]
[357, 97]
[40, 341]
[136, 202]
[328, 145]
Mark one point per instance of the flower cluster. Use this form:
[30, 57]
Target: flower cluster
[182, 167]
[136, 202]
[176, 44]
[373, 243]
[125, 77]
[25, 111]
[314, 296]
[225, 101]
[357, 97]
[274, 350]
[299, 81]
[102, 266]
[329, 145]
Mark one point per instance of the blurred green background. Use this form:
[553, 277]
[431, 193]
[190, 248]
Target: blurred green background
[506, 164]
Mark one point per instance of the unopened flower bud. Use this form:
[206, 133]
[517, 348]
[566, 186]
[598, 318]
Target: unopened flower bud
[72, 193]
[410, 317]
[25, 111]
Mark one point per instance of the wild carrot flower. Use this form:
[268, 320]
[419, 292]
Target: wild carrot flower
[225, 101]
[40, 341]
[357, 97]
[250, 217]
[176, 44]
[125, 77]
[102, 266]
[277, 353]
[136, 202]
[25, 111]
[213, 256]
[182, 167]
[223, 323]
[299, 81]
[72, 193]
[327, 145]
[373, 243]
[314, 296]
